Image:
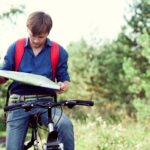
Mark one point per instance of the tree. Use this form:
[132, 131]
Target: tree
[13, 12]
[117, 70]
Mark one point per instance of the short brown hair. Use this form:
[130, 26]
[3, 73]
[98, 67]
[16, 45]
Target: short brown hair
[39, 22]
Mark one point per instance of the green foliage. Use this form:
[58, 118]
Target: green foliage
[139, 18]
[12, 12]
[143, 111]
[80, 68]
[98, 70]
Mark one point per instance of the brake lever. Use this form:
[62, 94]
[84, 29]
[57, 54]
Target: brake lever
[70, 104]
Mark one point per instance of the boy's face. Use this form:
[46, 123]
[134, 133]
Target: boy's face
[37, 41]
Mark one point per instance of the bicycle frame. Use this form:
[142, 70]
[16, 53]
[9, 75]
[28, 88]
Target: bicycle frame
[52, 138]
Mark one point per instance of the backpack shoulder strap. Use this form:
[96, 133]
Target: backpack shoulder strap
[19, 51]
[54, 57]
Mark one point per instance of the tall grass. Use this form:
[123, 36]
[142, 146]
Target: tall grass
[97, 134]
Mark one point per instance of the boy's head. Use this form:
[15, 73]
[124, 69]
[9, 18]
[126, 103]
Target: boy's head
[39, 22]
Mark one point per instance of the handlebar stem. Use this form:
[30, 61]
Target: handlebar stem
[50, 121]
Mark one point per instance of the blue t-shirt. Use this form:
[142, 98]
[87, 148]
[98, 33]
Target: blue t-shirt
[40, 64]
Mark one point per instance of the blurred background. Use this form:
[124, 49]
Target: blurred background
[109, 62]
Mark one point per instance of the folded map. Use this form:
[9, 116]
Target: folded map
[29, 78]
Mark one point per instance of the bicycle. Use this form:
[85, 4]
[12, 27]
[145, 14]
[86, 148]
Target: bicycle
[52, 142]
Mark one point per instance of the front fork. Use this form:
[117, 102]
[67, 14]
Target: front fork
[34, 134]
[52, 139]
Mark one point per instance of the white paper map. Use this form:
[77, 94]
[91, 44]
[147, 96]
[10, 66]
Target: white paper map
[29, 78]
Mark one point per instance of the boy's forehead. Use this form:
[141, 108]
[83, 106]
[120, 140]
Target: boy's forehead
[42, 34]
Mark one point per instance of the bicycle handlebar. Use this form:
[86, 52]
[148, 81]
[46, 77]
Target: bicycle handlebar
[30, 105]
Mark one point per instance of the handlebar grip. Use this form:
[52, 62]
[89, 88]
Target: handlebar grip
[85, 102]
[72, 103]
[12, 107]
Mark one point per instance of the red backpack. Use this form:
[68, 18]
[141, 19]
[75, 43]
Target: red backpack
[54, 55]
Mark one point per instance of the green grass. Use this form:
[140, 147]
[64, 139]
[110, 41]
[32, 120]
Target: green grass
[99, 135]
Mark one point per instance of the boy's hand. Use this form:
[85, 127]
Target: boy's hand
[64, 86]
[2, 80]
